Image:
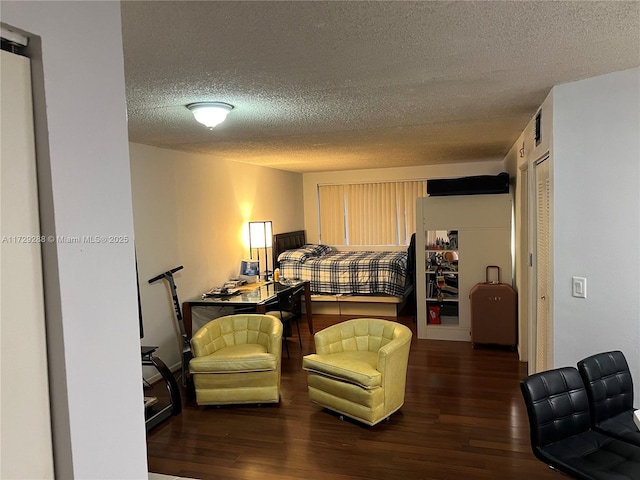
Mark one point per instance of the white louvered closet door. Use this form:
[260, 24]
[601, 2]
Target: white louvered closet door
[26, 447]
[544, 338]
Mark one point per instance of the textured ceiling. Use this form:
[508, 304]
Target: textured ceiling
[347, 85]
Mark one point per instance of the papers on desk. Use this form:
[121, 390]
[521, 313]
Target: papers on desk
[221, 292]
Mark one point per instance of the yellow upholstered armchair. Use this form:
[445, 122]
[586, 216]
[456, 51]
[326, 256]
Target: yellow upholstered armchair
[360, 368]
[237, 360]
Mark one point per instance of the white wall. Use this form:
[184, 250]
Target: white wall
[312, 180]
[192, 210]
[85, 189]
[596, 225]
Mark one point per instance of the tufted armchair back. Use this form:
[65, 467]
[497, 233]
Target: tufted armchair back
[237, 330]
[609, 384]
[361, 334]
[557, 406]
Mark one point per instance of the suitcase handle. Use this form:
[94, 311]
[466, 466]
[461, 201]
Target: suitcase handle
[489, 267]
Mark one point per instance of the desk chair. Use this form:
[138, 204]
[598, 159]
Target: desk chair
[609, 385]
[561, 436]
[289, 310]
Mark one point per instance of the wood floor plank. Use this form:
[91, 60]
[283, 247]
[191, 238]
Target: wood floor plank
[463, 417]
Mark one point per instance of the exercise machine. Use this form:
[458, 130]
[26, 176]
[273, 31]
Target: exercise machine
[187, 355]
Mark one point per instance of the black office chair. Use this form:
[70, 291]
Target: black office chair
[561, 436]
[289, 311]
[609, 385]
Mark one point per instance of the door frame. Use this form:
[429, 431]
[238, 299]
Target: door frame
[522, 258]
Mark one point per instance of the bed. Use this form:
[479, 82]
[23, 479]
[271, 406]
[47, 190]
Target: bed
[333, 272]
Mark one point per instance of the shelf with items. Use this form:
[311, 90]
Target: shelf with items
[441, 279]
[437, 286]
[446, 293]
[442, 312]
[447, 259]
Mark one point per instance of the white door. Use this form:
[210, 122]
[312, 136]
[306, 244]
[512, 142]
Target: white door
[26, 446]
[543, 321]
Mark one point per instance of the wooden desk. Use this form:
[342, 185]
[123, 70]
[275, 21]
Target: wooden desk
[257, 297]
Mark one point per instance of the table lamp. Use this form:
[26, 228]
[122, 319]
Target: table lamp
[260, 236]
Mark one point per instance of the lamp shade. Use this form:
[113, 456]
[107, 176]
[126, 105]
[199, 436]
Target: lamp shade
[210, 114]
[260, 234]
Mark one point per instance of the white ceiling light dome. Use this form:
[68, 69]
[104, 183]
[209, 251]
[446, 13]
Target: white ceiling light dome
[210, 114]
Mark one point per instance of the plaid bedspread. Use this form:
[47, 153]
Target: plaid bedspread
[351, 272]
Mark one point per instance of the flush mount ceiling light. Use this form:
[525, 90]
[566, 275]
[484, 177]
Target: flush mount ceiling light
[210, 114]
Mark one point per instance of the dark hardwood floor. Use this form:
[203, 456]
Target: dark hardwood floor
[463, 418]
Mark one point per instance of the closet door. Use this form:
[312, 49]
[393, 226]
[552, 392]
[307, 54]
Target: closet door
[544, 326]
[26, 450]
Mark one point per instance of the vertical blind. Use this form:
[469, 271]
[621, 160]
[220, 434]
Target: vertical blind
[369, 213]
[331, 212]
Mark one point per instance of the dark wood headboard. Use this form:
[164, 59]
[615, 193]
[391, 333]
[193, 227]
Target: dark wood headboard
[287, 241]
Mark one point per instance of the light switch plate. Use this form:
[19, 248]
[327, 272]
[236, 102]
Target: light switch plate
[579, 287]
